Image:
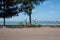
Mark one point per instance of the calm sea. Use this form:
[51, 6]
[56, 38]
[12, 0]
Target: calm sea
[37, 23]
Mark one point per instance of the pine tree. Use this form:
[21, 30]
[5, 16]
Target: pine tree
[28, 5]
[8, 9]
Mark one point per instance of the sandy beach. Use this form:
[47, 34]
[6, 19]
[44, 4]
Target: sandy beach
[46, 33]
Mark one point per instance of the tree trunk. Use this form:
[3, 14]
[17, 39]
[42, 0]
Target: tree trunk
[4, 21]
[4, 14]
[30, 19]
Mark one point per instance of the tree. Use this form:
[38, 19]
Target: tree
[8, 9]
[28, 5]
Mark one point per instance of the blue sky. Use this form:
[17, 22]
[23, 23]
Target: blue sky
[47, 11]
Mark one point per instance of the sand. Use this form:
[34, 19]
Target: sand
[30, 33]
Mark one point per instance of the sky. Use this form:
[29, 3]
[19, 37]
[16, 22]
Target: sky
[47, 11]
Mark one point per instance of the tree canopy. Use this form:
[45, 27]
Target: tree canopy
[28, 5]
[8, 8]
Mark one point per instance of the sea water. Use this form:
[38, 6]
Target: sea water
[48, 22]
[36, 23]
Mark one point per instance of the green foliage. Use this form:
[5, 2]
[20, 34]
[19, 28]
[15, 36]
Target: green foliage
[23, 23]
[28, 5]
[34, 22]
[8, 9]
